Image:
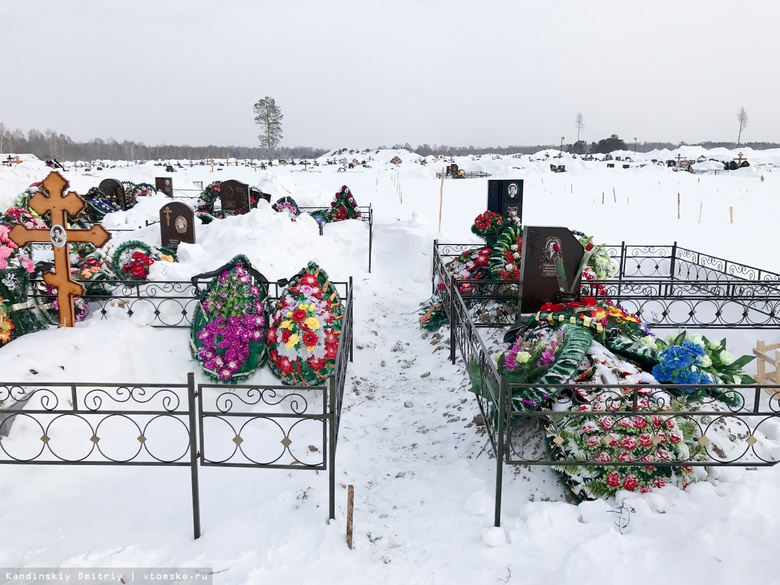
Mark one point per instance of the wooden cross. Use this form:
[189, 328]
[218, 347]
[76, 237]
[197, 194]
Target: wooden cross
[739, 159]
[679, 157]
[59, 206]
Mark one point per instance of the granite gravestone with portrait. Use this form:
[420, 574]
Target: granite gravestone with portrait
[505, 196]
[177, 225]
[234, 197]
[115, 190]
[538, 274]
[164, 184]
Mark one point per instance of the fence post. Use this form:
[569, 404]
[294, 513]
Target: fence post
[502, 397]
[193, 455]
[433, 267]
[672, 268]
[351, 297]
[453, 319]
[331, 389]
[370, 235]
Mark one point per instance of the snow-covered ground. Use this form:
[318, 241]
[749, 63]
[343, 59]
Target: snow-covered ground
[422, 473]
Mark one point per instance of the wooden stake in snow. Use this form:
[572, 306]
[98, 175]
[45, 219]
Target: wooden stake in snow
[614, 195]
[678, 206]
[441, 196]
[731, 215]
[602, 197]
[701, 205]
[350, 513]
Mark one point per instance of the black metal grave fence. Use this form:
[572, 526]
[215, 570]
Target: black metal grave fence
[744, 444]
[668, 287]
[129, 424]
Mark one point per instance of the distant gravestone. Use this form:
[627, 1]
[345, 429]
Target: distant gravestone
[177, 225]
[505, 196]
[257, 195]
[538, 275]
[164, 184]
[234, 197]
[115, 190]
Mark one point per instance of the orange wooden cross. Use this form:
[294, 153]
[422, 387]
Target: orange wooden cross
[59, 206]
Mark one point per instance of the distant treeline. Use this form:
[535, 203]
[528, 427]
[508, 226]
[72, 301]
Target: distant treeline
[53, 145]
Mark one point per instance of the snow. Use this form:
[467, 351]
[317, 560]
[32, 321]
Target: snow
[423, 476]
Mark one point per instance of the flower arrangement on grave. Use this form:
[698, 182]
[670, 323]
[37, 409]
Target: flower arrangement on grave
[304, 329]
[132, 259]
[134, 191]
[487, 226]
[6, 325]
[470, 265]
[287, 205]
[48, 304]
[693, 359]
[565, 289]
[228, 329]
[544, 355]
[610, 430]
[506, 254]
[208, 197]
[98, 205]
[19, 312]
[621, 332]
[344, 206]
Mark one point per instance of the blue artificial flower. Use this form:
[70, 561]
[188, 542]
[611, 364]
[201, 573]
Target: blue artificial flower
[691, 377]
[675, 358]
[693, 348]
[660, 374]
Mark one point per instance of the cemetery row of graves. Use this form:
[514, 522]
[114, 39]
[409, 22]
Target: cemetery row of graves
[562, 340]
[57, 267]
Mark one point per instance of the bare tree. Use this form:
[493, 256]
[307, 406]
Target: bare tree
[742, 118]
[269, 116]
[4, 137]
[579, 124]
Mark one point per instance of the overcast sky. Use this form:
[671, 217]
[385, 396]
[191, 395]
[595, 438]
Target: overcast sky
[364, 73]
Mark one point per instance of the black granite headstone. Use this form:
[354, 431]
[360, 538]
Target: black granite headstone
[506, 196]
[164, 184]
[115, 190]
[257, 195]
[177, 225]
[538, 275]
[234, 196]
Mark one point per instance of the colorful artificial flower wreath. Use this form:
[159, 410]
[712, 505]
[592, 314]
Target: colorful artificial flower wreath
[227, 336]
[343, 207]
[304, 329]
[208, 197]
[609, 430]
[132, 259]
[506, 254]
[470, 265]
[287, 205]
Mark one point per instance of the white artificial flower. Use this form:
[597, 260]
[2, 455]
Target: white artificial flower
[696, 338]
[714, 345]
[510, 266]
[726, 357]
[706, 361]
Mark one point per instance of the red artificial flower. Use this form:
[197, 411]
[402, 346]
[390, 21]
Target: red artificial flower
[631, 482]
[285, 365]
[589, 246]
[285, 335]
[645, 440]
[613, 479]
[640, 422]
[316, 364]
[659, 482]
[556, 248]
[310, 339]
[588, 301]
[138, 255]
[299, 315]
[271, 336]
[628, 443]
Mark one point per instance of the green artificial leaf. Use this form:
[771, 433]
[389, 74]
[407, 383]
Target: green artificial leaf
[740, 362]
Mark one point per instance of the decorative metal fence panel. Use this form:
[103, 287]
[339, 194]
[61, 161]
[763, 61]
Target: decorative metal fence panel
[260, 426]
[667, 286]
[164, 304]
